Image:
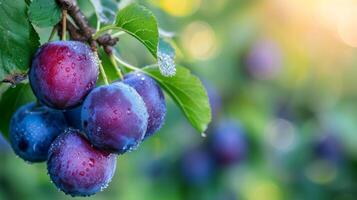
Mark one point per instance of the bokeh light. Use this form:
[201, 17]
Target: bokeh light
[281, 134]
[199, 39]
[179, 8]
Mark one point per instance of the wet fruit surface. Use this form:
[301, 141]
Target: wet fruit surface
[115, 118]
[153, 97]
[32, 130]
[62, 73]
[76, 167]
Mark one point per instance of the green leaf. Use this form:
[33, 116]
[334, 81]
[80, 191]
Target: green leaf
[10, 101]
[44, 13]
[166, 58]
[18, 40]
[188, 92]
[140, 23]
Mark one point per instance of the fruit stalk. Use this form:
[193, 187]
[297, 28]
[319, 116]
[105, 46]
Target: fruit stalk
[64, 24]
[84, 32]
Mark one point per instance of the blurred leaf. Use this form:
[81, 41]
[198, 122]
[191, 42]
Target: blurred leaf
[188, 92]
[140, 23]
[10, 101]
[44, 13]
[18, 40]
[166, 58]
[105, 10]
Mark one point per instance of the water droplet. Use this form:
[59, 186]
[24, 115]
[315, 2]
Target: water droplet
[91, 162]
[90, 85]
[166, 64]
[99, 129]
[68, 69]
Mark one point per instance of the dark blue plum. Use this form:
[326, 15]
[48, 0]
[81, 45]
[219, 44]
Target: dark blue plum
[156, 169]
[73, 117]
[115, 118]
[228, 143]
[76, 167]
[197, 167]
[329, 147]
[32, 130]
[63, 73]
[153, 97]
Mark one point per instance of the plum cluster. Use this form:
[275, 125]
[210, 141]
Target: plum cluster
[77, 127]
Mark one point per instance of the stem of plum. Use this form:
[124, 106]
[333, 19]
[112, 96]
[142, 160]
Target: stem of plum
[53, 32]
[64, 24]
[131, 67]
[116, 67]
[117, 34]
[101, 68]
[125, 64]
[104, 30]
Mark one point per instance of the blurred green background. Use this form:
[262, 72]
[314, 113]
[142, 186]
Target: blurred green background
[285, 70]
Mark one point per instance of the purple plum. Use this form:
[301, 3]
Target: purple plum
[115, 118]
[76, 167]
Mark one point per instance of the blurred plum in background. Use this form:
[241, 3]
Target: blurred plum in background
[228, 142]
[264, 59]
[328, 147]
[197, 167]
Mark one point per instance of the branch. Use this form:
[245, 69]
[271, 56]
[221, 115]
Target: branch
[14, 79]
[84, 32]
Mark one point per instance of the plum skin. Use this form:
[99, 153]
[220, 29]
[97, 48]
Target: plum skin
[153, 97]
[228, 143]
[77, 168]
[32, 130]
[73, 117]
[63, 73]
[114, 118]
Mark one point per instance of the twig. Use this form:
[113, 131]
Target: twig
[116, 67]
[84, 28]
[53, 32]
[64, 24]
